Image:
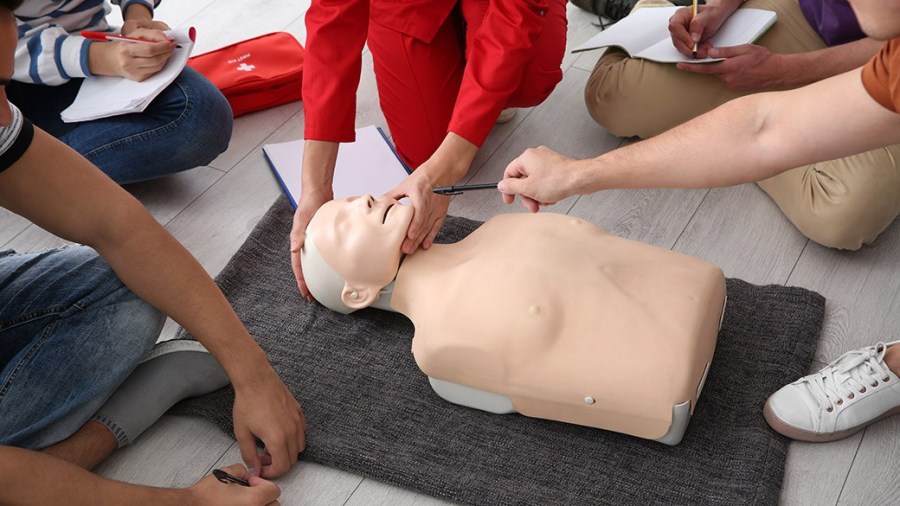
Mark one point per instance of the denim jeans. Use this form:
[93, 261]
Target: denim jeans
[70, 333]
[187, 125]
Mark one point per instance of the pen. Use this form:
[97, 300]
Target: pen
[694, 15]
[227, 478]
[457, 190]
[112, 37]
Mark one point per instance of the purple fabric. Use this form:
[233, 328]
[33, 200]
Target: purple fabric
[834, 20]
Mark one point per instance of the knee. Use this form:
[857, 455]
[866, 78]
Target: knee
[536, 88]
[208, 116]
[608, 102]
[841, 209]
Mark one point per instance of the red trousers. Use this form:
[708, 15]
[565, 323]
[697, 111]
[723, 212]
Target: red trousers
[419, 82]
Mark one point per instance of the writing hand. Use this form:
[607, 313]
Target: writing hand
[430, 209]
[310, 202]
[266, 409]
[746, 67]
[685, 29]
[131, 60]
[541, 176]
[209, 490]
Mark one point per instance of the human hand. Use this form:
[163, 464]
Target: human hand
[541, 176]
[746, 67]
[210, 490]
[310, 202]
[132, 60]
[430, 209]
[267, 410]
[130, 25]
[686, 30]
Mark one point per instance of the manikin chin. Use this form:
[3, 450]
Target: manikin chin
[544, 315]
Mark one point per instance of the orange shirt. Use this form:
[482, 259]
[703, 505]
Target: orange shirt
[881, 76]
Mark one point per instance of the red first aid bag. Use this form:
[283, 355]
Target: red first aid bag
[257, 73]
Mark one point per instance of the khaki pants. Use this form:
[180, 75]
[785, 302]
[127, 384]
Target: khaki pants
[842, 203]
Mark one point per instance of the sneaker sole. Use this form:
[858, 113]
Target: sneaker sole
[792, 432]
[175, 345]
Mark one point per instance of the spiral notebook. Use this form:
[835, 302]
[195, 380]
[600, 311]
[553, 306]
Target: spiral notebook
[645, 34]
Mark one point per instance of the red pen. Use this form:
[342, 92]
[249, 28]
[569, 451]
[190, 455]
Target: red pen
[112, 37]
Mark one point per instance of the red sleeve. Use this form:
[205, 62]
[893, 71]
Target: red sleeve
[336, 32]
[496, 58]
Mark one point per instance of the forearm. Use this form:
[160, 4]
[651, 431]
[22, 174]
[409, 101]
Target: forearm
[451, 161]
[28, 477]
[137, 11]
[720, 148]
[800, 69]
[319, 158]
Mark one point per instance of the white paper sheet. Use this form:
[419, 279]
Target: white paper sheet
[367, 166]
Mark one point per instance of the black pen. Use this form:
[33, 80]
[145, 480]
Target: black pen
[227, 478]
[457, 190]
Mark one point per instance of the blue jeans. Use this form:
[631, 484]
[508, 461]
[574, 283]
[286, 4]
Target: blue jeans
[70, 333]
[187, 125]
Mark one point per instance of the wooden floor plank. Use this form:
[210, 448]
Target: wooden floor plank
[374, 493]
[307, 483]
[175, 452]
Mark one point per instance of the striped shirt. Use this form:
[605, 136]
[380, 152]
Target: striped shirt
[49, 50]
[15, 139]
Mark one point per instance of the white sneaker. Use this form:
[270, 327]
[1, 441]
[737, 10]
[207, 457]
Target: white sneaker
[850, 393]
[507, 115]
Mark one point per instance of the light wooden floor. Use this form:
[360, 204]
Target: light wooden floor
[212, 209]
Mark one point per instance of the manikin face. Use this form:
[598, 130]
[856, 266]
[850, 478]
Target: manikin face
[360, 238]
[879, 19]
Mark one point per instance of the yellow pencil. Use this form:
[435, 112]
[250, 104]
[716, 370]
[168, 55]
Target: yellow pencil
[694, 15]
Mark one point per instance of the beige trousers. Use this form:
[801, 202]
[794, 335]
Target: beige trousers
[842, 203]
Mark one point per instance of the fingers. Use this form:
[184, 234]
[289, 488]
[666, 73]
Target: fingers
[247, 445]
[429, 239]
[298, 238]
[282, 458]
[679, 31]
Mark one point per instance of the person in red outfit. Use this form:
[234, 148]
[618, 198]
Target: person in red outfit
[445, 70]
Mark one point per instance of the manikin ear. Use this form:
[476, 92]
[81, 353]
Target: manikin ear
[359, 296]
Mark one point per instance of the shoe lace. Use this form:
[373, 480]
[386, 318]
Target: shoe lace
[854, 372]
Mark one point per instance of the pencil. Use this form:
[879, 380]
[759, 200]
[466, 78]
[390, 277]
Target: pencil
[694, 15]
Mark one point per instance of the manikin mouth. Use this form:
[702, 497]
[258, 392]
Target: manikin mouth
[386, 211]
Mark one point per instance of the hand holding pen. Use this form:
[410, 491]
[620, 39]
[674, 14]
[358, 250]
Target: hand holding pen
[233, 485]
[691, 32]
[146, 53]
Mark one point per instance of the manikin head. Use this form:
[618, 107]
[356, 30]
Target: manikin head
[352, 251]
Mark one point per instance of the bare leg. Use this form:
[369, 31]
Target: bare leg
[87, 448]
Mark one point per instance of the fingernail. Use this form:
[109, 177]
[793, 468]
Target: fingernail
[294, 245]
[253, 471]
[695, 37]
[713, 52]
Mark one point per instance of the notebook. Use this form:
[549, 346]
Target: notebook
[105, 96]
[368, 166]
[645, 34]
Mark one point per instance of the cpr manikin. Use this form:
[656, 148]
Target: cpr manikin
[542, 314]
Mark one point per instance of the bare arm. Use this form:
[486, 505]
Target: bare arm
[801, 69]
[316, 183]
[62, 192]
[748, 139]
[28, 477]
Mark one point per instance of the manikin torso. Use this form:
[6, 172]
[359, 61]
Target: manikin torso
[551, 311]
[546, 315]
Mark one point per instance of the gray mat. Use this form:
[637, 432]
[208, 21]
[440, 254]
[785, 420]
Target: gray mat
[372, 412]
